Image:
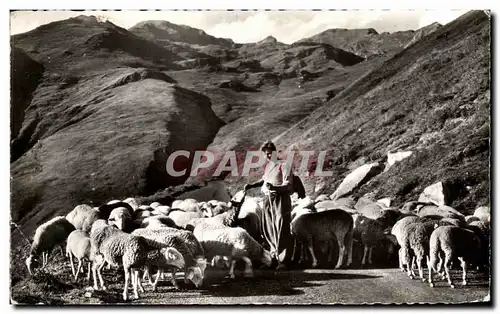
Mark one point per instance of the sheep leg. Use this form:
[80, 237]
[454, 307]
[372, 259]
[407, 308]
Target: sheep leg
[420, 268]
[429, 268]
[139, 282]
[125, 285]
[329, 247]
[300, 251]
[231, 269]
[294, 254]
[174, 281]
[248, 272]
[411, 269]
[303, 254]
[94, 275]
[447, 264]
[78, 268]
[88, 272]
[99, 273]
[71, 263]
[311, 250]
[409, 259]
[464, 270]
[365, 254]
[349, 247]
[145, 275]
[400, 257]
[370, 255]
[158, 275]
[135, 273]
[440, 269]
[340, 260]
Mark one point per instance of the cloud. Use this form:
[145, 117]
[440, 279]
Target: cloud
[252, 26]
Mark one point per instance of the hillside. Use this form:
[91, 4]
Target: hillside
[99, 125]
[362, 42]
[25, 75]
[433, 99]
[107, 105]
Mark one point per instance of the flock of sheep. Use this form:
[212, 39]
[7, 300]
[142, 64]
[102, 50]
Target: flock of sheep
[187, 235]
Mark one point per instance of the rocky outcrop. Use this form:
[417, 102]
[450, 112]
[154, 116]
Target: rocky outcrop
[439, 193]
[356, 178]
[393, 158]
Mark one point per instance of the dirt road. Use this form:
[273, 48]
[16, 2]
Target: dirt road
[309, 286]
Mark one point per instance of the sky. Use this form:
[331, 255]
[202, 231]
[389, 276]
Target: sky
[252, 26]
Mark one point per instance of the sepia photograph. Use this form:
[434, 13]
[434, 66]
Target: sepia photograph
[250, 157]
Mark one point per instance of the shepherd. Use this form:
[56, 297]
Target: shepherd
[277, 186]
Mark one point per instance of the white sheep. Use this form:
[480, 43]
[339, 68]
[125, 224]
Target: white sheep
[442, 211]
[234, 243]
[121, 217]
[106, 209]
[182, 218]
[187, 205]
[78, 245]
[211, 209]
[415, 243]
[83, 216]
[452, 242]
[132, 202]
[226, 219]
[325, 227]
[145, 207]
[187, 244]
[157, 222]
[111, 245]
[47, 236]
[164, 210]
[141, 214]
[397, 230]
[154, 205]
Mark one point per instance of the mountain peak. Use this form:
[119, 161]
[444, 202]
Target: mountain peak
[268, 40]
[164, 30]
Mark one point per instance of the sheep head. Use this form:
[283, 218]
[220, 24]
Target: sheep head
[173, 257]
